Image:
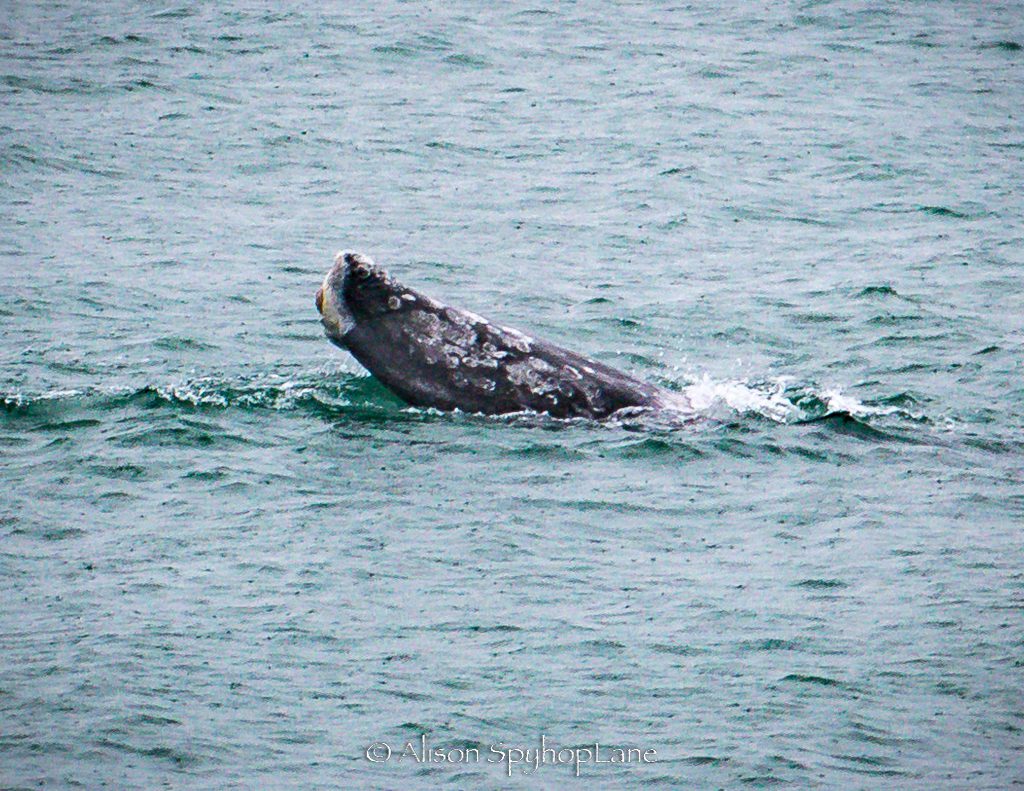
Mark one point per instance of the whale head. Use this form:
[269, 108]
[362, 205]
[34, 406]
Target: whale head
[354, 291]
[332, 301]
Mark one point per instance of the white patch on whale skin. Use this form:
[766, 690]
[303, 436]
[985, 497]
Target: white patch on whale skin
[424, 326]
[537, 375]
[425, 334]
[479, 358]
[453, 356]
[457, 330]
[451, 338]
[493, 351]
[516, 339]
[476, 318]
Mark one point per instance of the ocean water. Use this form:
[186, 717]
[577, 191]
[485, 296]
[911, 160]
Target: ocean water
[230, 559]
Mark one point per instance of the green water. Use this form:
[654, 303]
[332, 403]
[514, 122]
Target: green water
[230, 559]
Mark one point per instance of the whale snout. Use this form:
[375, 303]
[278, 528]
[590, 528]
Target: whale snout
[336, 317]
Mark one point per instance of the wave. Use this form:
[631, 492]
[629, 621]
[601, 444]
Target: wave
[336, 394]
[330, 393]
[783, 400]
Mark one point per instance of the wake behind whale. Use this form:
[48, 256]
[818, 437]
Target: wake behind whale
[434, 355]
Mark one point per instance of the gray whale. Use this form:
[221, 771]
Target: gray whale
[434, 355]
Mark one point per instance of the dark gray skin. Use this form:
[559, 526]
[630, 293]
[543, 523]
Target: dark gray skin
[433, 355]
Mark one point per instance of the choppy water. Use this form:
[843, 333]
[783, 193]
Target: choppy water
[230, 559]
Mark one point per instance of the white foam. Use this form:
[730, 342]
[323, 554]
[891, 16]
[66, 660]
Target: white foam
[741, 397]
[20, 399]
[769, 399]
[837, 402]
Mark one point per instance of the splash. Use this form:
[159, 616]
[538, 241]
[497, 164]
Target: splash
[768, 400]
[342, 392]
[781, 399]
[836, 401]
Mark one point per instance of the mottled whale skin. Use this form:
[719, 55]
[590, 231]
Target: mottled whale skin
[434, 355]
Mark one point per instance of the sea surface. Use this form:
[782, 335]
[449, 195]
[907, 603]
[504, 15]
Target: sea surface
[230, 559]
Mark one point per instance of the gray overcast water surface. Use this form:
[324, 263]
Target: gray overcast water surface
[230, 559]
